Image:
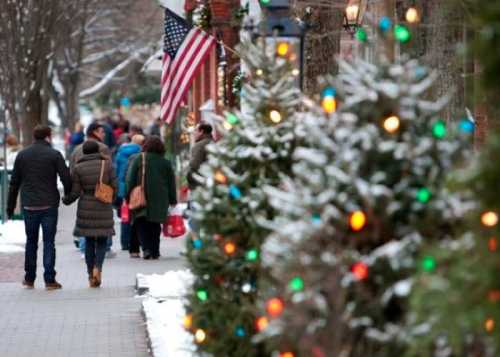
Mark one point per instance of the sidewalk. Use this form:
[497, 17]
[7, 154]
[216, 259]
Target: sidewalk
[77, 321]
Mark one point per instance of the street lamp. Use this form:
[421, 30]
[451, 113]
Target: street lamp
[351, 18]
[285, 33]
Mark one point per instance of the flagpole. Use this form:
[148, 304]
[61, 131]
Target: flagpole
[234, 52]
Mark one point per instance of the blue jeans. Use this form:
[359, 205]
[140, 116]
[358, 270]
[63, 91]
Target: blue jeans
[47, 219]
[95, 251]
[81, 244]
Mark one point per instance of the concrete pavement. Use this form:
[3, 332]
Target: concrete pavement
[77, 321]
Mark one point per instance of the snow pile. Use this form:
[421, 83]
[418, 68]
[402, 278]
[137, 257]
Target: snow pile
[12, 237]
[164, 311]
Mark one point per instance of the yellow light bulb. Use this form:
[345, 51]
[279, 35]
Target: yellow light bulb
[187, 321]
[295, 72]
[227, 126]
[275, 116]
[357, 221]
[391, 124]
[489, 219]
[200, 336]
[259, 72]
[283, 48]
[412, 15]
[329, 104]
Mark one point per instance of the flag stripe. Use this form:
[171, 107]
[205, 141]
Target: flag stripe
[185, 50]
[191, 74]
[181, 74]
[176, 67]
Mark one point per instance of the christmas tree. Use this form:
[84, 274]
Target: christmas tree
[368, 191]
[225, 257]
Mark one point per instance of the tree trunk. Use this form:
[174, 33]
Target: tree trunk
[32, 116]
[322, 42]
[72, 102]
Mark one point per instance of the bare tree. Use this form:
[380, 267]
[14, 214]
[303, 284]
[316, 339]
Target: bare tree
[28, 31]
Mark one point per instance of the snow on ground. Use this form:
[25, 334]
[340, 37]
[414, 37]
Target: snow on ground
[164, 310]
[12, 237]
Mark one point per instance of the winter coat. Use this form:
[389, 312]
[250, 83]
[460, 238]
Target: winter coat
[122, 160]
[159, 186]
[35, 173]
[198, 157]
[78, 153]
[77, 138]
[94, 218]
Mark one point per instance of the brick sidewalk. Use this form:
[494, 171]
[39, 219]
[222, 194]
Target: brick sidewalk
[77, 321]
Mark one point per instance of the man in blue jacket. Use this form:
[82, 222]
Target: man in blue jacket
[35, 173]
[122, 160]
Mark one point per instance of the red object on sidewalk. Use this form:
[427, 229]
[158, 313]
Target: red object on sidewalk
[125, 212]
[174, 226]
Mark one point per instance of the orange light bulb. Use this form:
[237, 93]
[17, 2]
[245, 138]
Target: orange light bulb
[391, 124]
[360, 271]
[493, 244]
[229, 248]
[261, 323]
[275, 307]
[220, 177]
[187, 321]
[287, 354]
[489, 325]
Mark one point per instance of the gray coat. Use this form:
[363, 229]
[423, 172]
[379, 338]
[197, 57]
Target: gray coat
[94, 218]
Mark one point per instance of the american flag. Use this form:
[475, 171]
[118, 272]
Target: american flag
[185, 49]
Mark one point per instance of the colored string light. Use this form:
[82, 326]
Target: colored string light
[466, 126]
[282, 49]
[197, 243]
[360, 271]
[439, 129]
[232, 119]
[259, 72]
[187, 322]
[391, 124]
[261, 323]
[202, 295]
[489, 325]
[252, 255]
[234, 192]
[328, 92]
[361, 35]
[229, 248]
[296, 284]
[489, 219]
[316, 218]
[275, 116]
[275, 307]
[492, 245]
[200, 336]
[423, 195]
[219, 177]
[357, 221]
[329, 104]
[412, 15]
[402, 33]
[429, 264]
[385, 24]
[240, 331]
[287, 354]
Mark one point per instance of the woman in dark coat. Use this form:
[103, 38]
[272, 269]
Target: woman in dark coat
[94, 218]
[160, 193]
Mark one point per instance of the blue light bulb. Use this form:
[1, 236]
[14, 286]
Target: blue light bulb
[234, 192]
[329, 92]
[466, 126]
[385, 24]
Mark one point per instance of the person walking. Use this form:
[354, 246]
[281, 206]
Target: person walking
[95, 132]
[94, 218]
[156, 175]
[77, 137]
[122, 161]
[35, 174]
[203, 137]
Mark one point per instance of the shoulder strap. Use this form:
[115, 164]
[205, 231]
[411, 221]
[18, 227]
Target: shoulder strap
[102, 171]
[143, 168]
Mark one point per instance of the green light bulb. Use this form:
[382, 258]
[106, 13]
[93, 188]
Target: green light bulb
[232, 119]
[402, 33]
[429, 264]
[361, 35]
[423, 195]
[296, 284]
[265, 2]
[439, 129]
[202, 295]
[252, 255]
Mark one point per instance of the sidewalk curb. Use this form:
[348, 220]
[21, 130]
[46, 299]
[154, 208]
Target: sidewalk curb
[148, 337]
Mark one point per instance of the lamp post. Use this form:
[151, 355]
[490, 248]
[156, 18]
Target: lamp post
[285, 32]
[351, 18]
